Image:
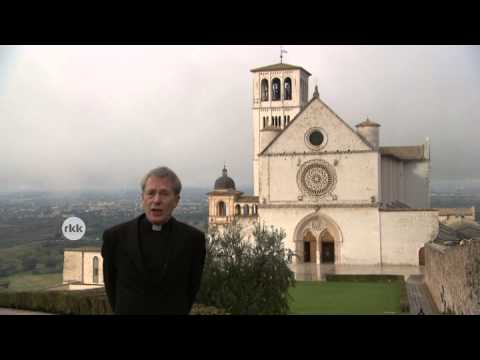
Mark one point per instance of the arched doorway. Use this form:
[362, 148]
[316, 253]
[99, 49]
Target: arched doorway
[309, 247]
[328, 238]
[327, 248]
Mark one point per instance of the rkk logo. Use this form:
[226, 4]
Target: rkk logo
[73, 228]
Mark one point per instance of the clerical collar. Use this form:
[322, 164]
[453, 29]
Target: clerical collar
[155, 228]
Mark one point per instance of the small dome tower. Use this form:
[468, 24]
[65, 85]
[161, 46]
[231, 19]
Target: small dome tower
[369, 130]
[221, 200]
[224, 182]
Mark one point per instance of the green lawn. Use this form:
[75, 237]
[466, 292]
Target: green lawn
[332, 297]
[27, 281]
[309, 297]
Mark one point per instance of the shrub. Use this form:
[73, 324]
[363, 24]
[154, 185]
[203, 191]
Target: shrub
[247, 277]
[75, 302]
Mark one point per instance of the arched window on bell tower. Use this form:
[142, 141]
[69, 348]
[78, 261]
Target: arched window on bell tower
[264, 89]
[287, 84]
[276, 89]
[221, 209]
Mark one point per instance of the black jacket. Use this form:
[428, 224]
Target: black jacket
[132, 289]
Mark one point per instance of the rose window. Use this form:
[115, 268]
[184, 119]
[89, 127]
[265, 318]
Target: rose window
[316, 178]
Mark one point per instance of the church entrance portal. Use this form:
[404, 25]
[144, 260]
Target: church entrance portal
[318, 240]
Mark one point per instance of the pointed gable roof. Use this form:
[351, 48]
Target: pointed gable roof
[301, 111]
[279, 66]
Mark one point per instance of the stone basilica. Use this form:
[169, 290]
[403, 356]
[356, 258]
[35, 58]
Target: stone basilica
[340, 197]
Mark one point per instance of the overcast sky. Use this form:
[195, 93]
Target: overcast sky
[85, 117]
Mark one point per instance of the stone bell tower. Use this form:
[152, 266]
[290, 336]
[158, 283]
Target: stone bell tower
[280, 91]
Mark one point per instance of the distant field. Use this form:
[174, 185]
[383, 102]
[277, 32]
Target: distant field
[345, 298]
[28, 281]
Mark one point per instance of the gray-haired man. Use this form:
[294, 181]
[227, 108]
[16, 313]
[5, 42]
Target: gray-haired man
[153, 264]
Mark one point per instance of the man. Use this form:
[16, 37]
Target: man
[153, 264]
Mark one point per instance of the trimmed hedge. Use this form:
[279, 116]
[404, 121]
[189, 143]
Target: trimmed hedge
[75, 302]
[404, 305]
[363, 278]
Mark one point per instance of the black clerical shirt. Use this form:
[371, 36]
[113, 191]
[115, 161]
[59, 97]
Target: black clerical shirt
[154, 245]
[152, 272]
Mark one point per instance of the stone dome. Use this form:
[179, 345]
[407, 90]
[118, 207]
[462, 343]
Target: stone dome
[224, 182]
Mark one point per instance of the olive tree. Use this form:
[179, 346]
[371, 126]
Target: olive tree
[247, 276]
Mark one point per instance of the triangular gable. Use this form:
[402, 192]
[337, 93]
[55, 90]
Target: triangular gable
[340, 136]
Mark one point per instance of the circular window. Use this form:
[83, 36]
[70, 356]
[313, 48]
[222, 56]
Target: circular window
[315, 138]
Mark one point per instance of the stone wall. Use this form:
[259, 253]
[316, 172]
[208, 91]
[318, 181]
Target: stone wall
[452, 274]
[392, 180]
[404, 232]
[356, 238]
[417, 184]
[83, 287]
[72, 266]
[78, 267]
[407, 182]
[356, 178]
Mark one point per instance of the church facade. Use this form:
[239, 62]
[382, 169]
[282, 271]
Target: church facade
[339, 196]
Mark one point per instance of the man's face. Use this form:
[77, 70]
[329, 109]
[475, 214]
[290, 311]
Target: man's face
[159, 200]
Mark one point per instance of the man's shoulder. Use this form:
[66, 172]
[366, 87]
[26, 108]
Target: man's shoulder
[191, 230]
[120, 228]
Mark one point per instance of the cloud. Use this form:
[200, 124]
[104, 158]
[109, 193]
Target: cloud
[101, 116]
